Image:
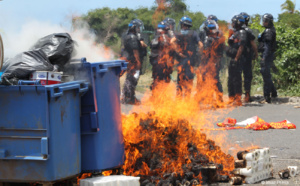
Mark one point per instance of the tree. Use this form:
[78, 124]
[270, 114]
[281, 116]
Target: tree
[292, 20]
[103, 22]
[168, 8]
[197, 17]
[177, 6]
[288, 59]
[289, 6]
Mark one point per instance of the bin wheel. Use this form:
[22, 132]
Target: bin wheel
[1, 53]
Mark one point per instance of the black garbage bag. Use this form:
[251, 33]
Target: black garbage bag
[58, 48]
[22, 65]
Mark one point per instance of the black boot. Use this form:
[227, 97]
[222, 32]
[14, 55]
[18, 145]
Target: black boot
[274, 94]
[268, 99]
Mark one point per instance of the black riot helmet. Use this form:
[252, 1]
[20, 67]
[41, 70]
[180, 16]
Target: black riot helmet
[133, 25]
[162, 25]
[267, 20]
[212, 27]
[246, 17]
[237, 21]
[170, 23]
[187, 21]
[203, 26]
[212, 17]
[140, 25]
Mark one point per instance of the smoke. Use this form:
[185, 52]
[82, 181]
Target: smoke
[86, 45]
[19, 41]
[30, 32]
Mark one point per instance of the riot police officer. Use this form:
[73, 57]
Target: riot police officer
[161, 58]
[131, 53]
[204, 29]
[212, 17]
[213, 47]
[143, 50]
[268, 43]
[251, 51]
[237, 43]
[186, 43]
[170, 26]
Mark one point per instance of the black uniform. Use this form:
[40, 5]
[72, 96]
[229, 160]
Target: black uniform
[131, 43]
[142, 50]
[237, 39]
[187, 41]
[267, 48]
[202, 34]
[247, 64]
[161, 58]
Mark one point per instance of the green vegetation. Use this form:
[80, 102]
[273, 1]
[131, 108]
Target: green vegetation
[288, 59]
[109, 25]
[287, 73]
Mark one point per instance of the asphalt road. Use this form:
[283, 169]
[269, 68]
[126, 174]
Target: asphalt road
[284, 144]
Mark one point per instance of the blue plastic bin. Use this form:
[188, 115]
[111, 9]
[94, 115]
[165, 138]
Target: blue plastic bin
[101, 128]
[40, 132]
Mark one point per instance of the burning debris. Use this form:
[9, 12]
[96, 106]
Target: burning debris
[168, 151]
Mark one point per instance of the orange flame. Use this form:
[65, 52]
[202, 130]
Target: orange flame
[83, 176]
[207, 73]
[160, 11]
[107, 173]
[174, 124]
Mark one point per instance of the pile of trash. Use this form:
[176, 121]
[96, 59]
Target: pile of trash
[49, 53]
[169, 151]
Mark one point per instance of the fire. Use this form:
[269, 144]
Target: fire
[170, 138]
[207, 89]
[83, 176]
[160, 11]
[225, 29]
[107, 173]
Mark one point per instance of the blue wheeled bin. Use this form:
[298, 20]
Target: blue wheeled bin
[40, 132]
[102, 144]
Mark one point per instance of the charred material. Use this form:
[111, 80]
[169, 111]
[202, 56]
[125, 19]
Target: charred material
[284, 174]
[240, 155]
[174, 153]
[240, 164]
[236, 180]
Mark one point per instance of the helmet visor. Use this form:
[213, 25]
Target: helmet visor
[141, 28]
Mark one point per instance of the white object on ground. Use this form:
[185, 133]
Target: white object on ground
[113, 180]
[247, 121]
[258, 166]
[293, 170]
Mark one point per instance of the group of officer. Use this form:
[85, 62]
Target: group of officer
[200, 54]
